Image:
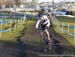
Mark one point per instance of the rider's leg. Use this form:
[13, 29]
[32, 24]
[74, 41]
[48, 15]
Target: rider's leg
[42, 35]
[48, 35]
[43, 41]
[49, 39]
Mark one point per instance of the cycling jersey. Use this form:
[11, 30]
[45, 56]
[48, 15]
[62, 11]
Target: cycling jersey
[43, 23]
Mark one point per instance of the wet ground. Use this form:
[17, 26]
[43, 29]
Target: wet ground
[60, 47]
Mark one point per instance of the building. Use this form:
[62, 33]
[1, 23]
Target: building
[11, 3]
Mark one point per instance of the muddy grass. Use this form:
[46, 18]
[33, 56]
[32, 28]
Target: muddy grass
[28, 44]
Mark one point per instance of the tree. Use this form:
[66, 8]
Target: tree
[33, 1]
[9, 3]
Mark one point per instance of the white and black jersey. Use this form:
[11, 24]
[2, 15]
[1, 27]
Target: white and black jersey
[44, 22]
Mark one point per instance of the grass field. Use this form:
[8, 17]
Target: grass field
[30, 37]
[66, 21]
[26, 32]
[11, 35]
[14, 33]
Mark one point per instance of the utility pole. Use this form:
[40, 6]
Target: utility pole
[52, 5]
[1, 4]
[14, 8]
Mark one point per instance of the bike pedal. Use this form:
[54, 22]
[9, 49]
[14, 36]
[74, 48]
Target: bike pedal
[45, 50]
[49, 49]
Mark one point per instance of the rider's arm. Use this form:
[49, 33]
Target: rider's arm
[47, 21]
[37, 24]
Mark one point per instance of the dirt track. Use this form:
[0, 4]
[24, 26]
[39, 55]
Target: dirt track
[32, 48]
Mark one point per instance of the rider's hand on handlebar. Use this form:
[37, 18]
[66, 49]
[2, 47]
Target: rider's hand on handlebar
[36, 27]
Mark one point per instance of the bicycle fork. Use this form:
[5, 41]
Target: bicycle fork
[46, 45]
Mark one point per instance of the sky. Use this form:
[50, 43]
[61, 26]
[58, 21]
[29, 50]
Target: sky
[54, 0]
[50, 0]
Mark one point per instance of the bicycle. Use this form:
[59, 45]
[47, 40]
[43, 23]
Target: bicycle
[46, 45]
[43, 25]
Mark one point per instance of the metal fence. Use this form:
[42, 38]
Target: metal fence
[61, 25]
[12, 24]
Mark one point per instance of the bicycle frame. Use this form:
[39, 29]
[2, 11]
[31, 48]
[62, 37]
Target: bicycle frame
[46, 45]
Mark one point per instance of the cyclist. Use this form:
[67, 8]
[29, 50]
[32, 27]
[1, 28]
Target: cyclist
[43, 23]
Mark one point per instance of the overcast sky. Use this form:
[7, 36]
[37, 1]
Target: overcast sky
[50, 0]
[54, 0]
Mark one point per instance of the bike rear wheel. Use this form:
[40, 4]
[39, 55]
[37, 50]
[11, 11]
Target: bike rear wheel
[46, 45]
